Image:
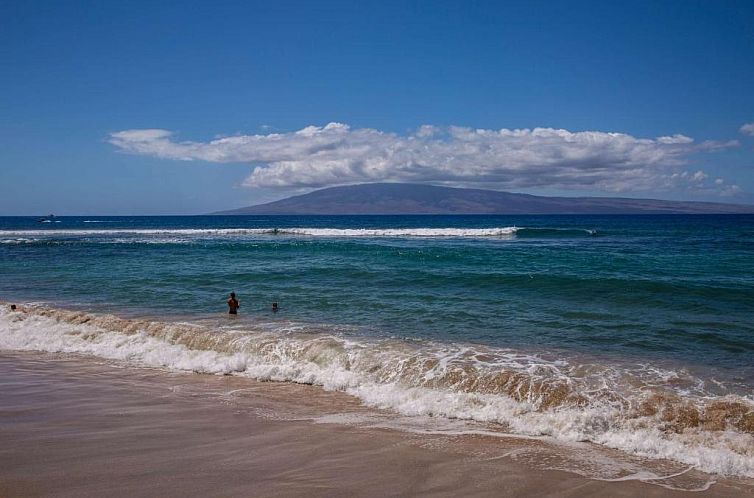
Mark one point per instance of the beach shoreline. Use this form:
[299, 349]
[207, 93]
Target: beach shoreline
[325, 378]
[79, 426]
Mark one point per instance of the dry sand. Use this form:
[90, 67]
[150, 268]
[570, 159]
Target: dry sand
[81, 427]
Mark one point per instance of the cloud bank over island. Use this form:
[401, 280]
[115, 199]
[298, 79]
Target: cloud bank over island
[336, 154]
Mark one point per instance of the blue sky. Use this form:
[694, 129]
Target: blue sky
[187, 107]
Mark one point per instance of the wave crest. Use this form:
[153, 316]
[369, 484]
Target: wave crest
[313, 232]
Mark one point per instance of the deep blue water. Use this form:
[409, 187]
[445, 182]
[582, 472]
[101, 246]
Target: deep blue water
[665, 286]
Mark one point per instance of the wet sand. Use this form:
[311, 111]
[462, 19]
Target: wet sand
[83, 427]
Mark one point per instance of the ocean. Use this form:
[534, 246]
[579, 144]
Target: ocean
[635, 332]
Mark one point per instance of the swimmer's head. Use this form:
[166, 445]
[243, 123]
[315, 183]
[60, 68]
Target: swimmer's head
[232, 294]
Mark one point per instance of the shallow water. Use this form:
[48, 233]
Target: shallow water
[80, 426]
[630, 331]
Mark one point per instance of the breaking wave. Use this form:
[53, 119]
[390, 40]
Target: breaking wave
[18, 240]
[643, 410]
[313, 232]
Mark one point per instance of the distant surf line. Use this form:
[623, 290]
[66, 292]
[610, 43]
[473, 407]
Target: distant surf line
[318, 232]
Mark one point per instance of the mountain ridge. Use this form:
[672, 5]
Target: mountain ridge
[408, 198]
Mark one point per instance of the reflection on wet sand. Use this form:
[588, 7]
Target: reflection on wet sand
[75, 426]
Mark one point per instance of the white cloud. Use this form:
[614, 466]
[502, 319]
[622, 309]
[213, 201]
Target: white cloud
[335, 154]
[136, 136]
[747, 129]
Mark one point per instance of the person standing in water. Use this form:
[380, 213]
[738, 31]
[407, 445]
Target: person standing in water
[233, 304]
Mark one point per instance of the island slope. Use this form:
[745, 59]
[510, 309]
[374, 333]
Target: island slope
[404, 198]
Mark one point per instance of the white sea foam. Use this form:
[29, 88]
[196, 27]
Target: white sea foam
[502, 232]
[526, 394]
[403, 232]
[18, 240]
[313, 232]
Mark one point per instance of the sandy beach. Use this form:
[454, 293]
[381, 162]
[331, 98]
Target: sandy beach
[76, 426]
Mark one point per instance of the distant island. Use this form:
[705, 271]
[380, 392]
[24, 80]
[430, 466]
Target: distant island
[406, 198]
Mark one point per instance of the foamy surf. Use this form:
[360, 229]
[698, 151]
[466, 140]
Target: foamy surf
[639, 412]
[503, 232]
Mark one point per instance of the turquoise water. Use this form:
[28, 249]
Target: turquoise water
[633, 332]
[640, 286]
